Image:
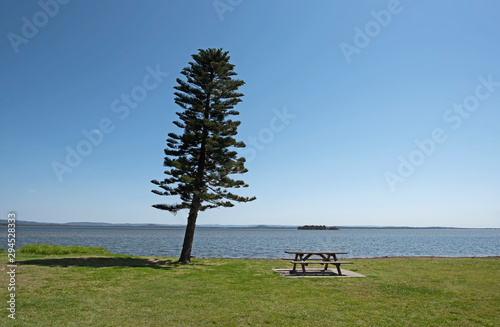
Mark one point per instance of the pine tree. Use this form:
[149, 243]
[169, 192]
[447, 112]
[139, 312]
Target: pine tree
[202, 158]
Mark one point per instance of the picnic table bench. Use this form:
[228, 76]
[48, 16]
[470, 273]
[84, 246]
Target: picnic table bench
[303, 258]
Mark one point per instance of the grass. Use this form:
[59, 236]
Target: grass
[119, 290]
[57, 249]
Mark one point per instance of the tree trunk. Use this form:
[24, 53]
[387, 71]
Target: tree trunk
[193, 212]
[189, 236]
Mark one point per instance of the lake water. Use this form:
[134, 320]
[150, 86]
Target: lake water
[270, 243]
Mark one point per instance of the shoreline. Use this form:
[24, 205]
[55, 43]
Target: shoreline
[364, 258]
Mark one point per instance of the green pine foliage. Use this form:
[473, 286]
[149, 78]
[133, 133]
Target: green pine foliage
[202, 158]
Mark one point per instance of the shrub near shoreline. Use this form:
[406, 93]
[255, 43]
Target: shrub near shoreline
[58, 249]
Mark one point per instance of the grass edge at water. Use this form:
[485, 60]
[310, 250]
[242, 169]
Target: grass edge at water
[48, 249]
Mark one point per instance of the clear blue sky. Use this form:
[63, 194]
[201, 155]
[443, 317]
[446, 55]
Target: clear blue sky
[365, 113]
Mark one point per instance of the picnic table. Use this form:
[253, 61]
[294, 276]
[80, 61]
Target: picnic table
[326, 258]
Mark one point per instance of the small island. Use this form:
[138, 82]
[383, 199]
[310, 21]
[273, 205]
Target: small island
[317, 227]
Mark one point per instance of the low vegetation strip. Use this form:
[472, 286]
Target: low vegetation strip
[118, 290]
[58, 249]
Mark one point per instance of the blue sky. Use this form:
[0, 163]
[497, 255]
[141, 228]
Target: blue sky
[365, 113]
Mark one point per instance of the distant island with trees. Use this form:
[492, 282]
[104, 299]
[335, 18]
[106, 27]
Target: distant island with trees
[317, 227]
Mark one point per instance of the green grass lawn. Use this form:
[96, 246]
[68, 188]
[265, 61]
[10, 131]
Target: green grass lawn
[82, 289]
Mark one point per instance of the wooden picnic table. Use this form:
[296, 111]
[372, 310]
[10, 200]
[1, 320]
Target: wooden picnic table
[303, 258]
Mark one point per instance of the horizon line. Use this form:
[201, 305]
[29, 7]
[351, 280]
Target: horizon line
[215, 225]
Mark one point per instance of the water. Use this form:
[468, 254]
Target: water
[270, 243]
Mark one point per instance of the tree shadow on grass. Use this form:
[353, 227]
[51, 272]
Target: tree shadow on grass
[101, 262]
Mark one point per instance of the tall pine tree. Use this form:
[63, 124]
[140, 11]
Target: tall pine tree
[202, 158]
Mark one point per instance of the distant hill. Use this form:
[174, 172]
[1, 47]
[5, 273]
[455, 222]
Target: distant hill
[98, 224]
